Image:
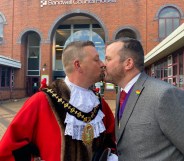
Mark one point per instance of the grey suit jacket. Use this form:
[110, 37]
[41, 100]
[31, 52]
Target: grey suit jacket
[152, 125]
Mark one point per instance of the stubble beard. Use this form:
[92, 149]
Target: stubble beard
[108, 78]
[102, 76]
[114, 78]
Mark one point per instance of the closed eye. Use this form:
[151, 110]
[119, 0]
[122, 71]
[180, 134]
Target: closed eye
[107, 59]
[96, 59]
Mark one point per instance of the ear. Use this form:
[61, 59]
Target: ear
[77, 65]
[129, 64]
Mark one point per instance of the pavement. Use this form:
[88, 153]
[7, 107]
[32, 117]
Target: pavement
[8, 110]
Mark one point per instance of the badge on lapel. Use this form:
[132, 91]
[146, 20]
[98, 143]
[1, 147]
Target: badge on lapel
[138, 92]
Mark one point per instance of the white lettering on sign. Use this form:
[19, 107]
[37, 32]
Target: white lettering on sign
[69, 2]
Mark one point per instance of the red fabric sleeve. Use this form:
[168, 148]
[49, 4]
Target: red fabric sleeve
[109, 121]
[20, 131]
[35, 123]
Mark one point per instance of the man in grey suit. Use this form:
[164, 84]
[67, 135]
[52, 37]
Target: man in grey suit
[151, 125]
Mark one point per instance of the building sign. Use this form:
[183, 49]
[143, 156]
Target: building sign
[70, 2]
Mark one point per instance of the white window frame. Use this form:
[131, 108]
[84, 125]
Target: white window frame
[2, 23]
[170, 71]
[169, 60]
[170, 80]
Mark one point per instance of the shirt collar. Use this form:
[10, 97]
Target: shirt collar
[72, 85]
[131, 83]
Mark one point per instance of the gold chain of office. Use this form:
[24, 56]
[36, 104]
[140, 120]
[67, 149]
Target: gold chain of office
[85, 117]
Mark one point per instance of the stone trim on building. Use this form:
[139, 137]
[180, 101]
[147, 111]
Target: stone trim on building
[72, 13]
[9, 62]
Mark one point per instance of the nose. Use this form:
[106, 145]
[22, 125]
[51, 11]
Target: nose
[102, 65]
[105, 62]
[103, 68]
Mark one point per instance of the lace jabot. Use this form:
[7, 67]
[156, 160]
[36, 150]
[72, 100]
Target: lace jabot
[84, 100]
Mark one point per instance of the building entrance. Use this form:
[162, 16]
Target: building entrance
[33, 84]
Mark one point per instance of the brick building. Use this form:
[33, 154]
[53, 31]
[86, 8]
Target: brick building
[166, 60]
[33, 34]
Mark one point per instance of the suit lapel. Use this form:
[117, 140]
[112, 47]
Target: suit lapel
[132, 100]
[117, 107]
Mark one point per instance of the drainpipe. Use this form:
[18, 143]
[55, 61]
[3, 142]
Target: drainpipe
[11, 88]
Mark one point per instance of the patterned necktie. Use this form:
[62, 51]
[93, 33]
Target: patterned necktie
[122, 98]
[123, 95]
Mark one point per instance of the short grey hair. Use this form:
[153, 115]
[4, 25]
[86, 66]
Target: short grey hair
[74, 50]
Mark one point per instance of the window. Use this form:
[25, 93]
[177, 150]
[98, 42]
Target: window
[169, 60]
[1, 28]
[73, 32]
[5, 76]
[181, 71]
[170, 68]
[169, 20]
[126, 33]
[33, 51]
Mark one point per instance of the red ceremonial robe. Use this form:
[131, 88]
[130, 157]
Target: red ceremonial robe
[36, 123]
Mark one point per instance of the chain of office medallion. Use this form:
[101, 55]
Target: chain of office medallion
[85, 117]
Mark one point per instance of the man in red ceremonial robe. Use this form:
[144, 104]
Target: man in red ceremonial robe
[51, 125]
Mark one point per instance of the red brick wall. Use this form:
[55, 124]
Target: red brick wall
[29, 14]
[152, 23]
[24, 14]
